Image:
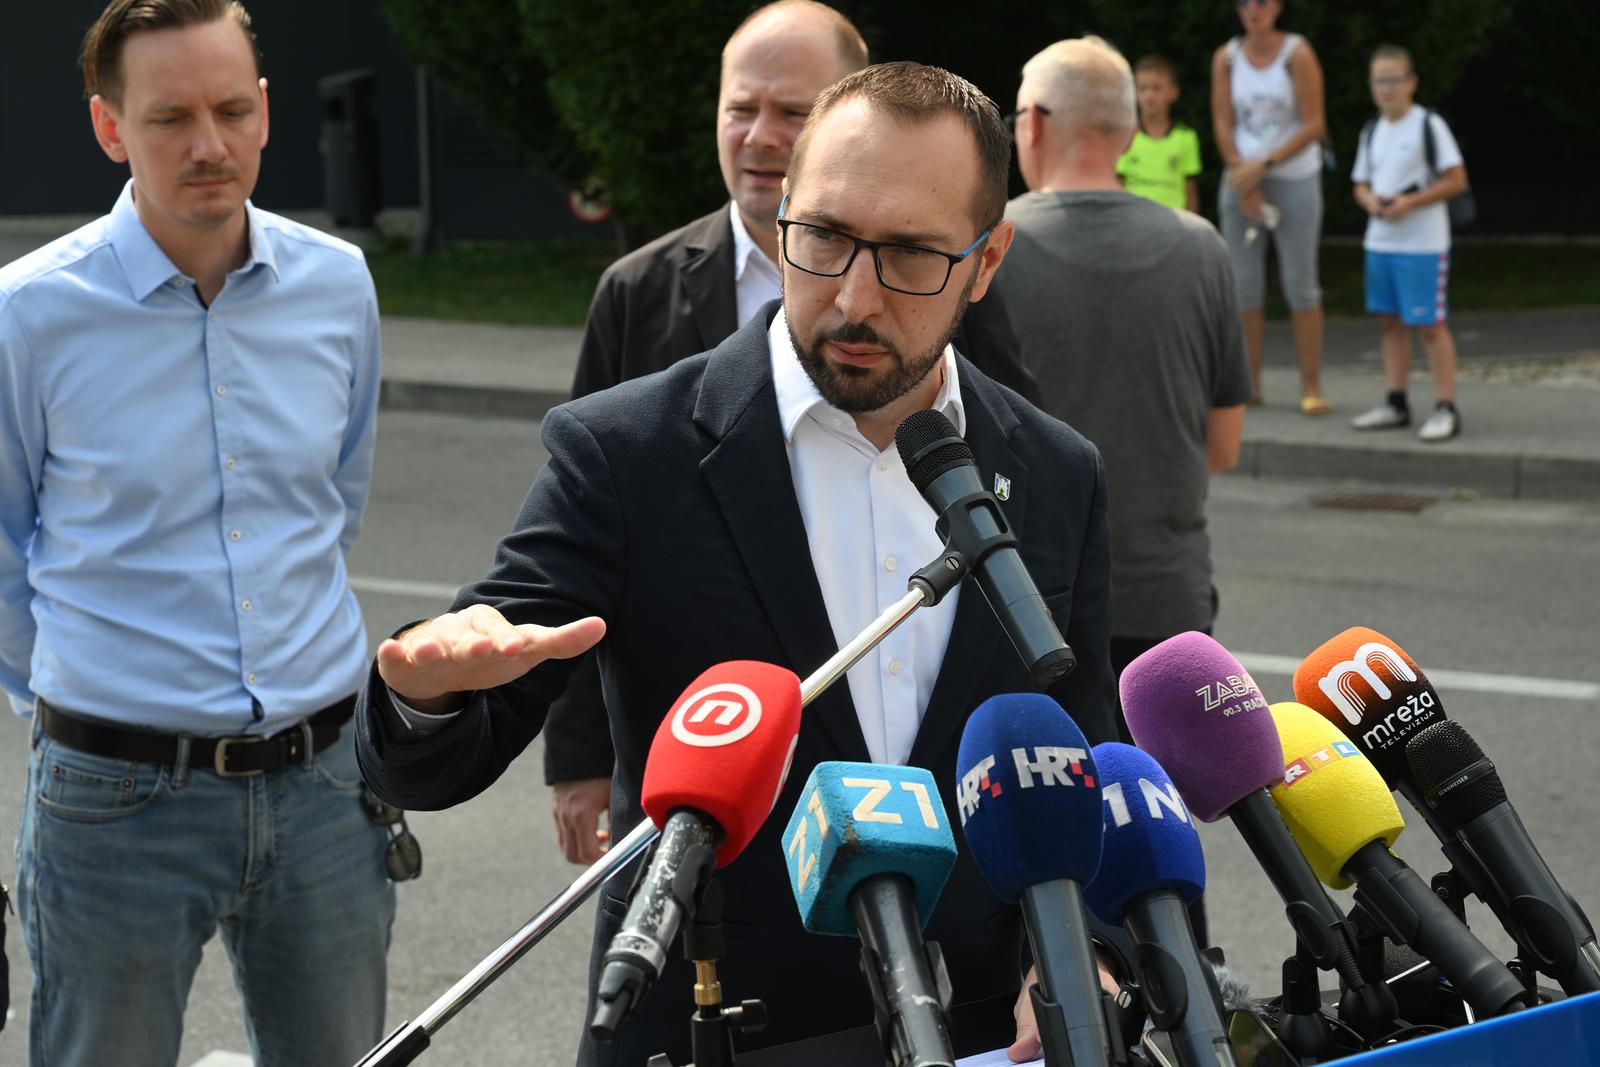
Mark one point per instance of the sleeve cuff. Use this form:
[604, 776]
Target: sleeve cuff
[420, 723]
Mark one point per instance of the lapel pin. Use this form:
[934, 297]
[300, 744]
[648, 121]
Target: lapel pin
[1002, 487]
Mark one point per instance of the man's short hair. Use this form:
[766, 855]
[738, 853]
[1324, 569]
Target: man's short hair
[1087, 84]
[1156, 63]
[101, 54]
[912, 93]
[1394, 51]
[851, 45]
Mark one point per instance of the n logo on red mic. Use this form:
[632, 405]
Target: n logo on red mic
[716, 715]
[1339, 683]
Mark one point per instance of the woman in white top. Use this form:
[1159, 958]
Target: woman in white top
[1266, 105]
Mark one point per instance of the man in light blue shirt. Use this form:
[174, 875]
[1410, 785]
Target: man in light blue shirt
[188, 403]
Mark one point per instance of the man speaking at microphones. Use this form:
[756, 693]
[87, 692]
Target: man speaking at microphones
[748, 503]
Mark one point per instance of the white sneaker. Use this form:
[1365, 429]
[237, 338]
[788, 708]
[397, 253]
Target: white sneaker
[1442, 425]
[1382, 417]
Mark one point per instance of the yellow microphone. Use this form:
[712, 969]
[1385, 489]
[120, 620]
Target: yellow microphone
[1344, 819]
[1331, 797]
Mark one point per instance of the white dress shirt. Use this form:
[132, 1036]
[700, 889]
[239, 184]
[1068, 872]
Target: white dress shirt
[869, 531]
[755, 277]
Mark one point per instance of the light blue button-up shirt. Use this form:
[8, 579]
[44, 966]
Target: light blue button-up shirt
[179, 485]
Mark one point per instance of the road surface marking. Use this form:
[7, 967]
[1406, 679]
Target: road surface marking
[218, 1058]
[403, 587]
[1515, 685]
[1466, 681]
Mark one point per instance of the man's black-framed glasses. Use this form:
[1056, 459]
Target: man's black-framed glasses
[828, 253]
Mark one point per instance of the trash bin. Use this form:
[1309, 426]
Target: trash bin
[351, 189]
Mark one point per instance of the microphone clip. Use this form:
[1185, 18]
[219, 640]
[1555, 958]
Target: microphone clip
[965, 535]
[939, 577]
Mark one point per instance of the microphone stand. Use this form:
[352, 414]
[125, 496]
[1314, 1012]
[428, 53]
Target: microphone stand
[410, 1039]
[711, 1025]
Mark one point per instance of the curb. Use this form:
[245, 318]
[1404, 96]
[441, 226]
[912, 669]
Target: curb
[484, 401]
[1529, 476]
[1519, 475]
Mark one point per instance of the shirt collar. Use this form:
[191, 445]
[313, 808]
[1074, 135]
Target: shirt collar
[147, 267]
[744, 246]
[798, 396]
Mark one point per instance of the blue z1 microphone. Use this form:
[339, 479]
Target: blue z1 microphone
[1029, 799]
[1151, 870]
[869, 850]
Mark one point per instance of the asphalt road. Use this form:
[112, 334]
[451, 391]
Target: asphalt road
[1504, 590]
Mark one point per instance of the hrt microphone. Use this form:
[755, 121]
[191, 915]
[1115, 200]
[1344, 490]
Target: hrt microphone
[941, 466]
[1151, 869]
[1341, 812]
[716, 766]
[1029, 800]
[1462, 787]
[1191, 705]
[869, 851]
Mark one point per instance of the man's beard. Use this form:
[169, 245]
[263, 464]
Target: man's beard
[856, 390]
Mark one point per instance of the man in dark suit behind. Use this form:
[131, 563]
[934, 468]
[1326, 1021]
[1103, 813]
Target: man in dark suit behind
[748, 503]
[687, 291]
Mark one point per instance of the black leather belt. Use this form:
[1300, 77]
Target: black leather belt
[231, 757]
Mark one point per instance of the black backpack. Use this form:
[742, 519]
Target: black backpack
[1463, 207]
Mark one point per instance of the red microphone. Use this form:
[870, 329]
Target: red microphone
[716, 767]
[724, 751]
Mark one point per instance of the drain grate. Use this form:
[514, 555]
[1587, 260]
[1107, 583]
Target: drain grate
[1375, 502]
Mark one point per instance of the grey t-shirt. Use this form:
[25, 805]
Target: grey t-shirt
[1126, 314]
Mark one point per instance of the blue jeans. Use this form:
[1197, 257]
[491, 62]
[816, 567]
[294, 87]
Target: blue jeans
[125, 870]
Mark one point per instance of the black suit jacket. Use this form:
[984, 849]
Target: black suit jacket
[667, 301]
[668, 509]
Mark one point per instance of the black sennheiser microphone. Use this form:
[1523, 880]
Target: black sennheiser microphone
[1461, 786]
[1345, 819]
[941, 466]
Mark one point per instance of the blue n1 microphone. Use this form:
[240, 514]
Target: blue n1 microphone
[869, 850]
[1028, 795]
[1151, 869]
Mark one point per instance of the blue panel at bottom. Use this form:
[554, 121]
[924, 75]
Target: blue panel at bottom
[1565, 1033]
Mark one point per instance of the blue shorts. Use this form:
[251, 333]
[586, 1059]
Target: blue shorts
[1410, 285]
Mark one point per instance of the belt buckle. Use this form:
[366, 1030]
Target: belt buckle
[219, 758]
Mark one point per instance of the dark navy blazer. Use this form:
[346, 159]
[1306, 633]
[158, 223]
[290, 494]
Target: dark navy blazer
[668, 509]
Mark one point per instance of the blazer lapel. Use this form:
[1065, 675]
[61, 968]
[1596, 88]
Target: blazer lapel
[707, 278]
[975, 637]
[748, 475]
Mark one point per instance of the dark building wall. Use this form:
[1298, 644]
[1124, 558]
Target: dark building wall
[50, 163]
[1529, 173]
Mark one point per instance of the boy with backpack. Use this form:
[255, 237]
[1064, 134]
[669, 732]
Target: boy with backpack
[1407, 167]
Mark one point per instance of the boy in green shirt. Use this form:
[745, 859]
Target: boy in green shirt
[1164, 157]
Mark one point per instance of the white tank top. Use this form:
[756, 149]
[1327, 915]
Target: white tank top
[1265, 113]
